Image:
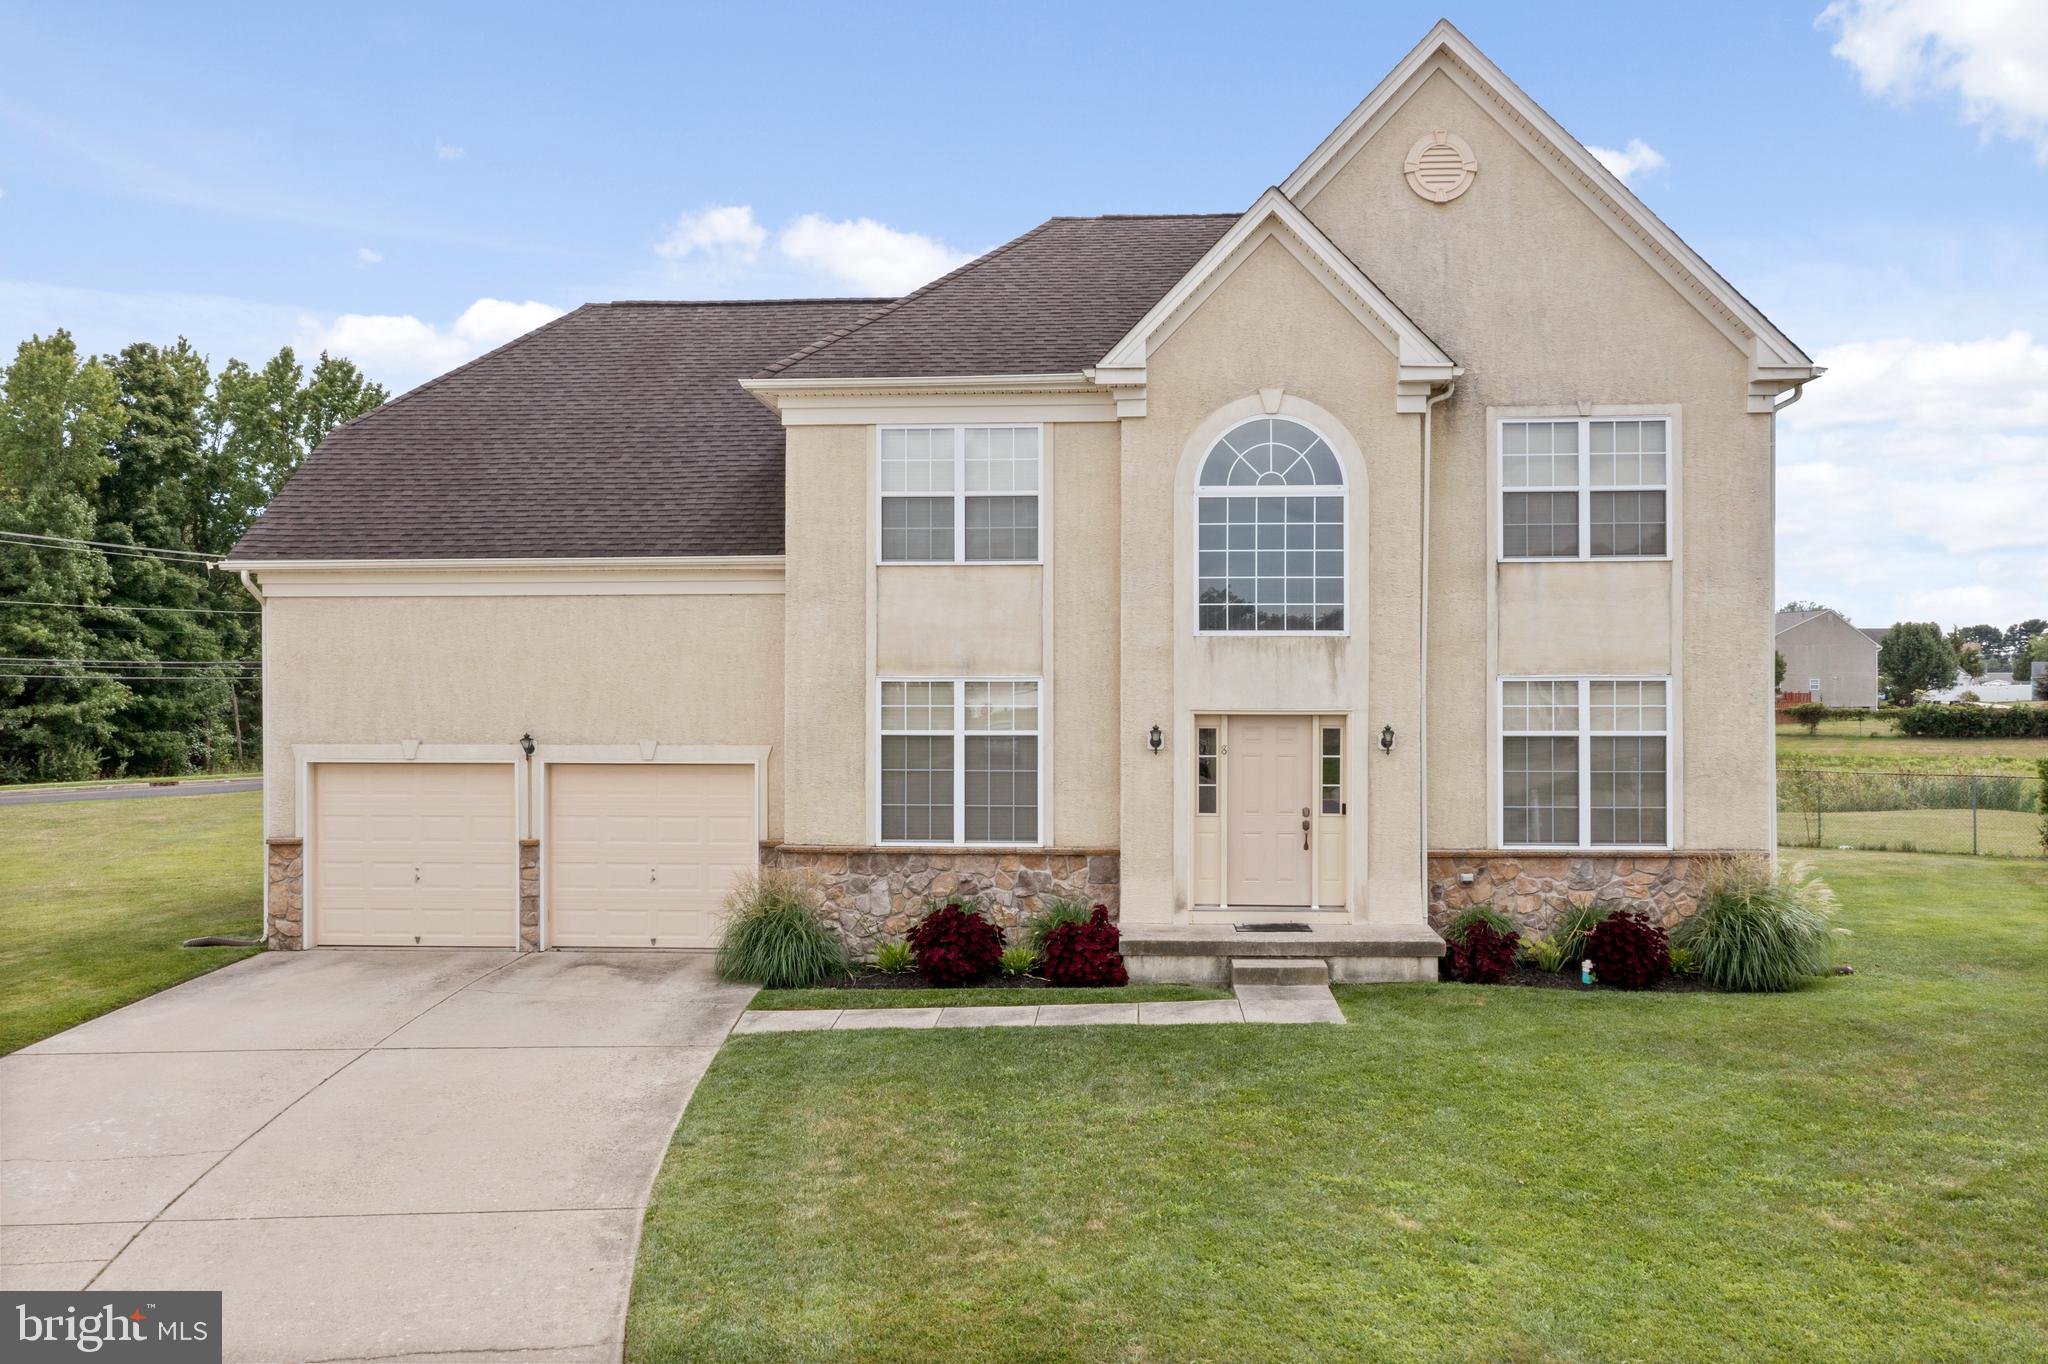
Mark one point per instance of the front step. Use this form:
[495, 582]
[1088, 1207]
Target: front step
[1279, 971]
[1209, 954]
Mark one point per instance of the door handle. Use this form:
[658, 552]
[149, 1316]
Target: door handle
[415, 875]
[1304, 828]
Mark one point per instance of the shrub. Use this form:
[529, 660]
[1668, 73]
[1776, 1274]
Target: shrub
[2042, 768]
[1055, 913]
[1573, 930]
[1808, 713]
[1628, 951]
[1462, 923]
[1086, 953]
[1545, 954]
[893, 957]
[776, 935]
[1973, 722]
[1481, 955]
[1018, 960]
[1755, 930]
[68, 762]
[1682, 964]
[1968, 698]
[955, 947]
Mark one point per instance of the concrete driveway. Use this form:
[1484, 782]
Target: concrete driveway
[372, 1153]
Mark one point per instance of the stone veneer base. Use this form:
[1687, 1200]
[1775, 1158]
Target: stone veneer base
[1535, 889]
[874, 895]
[284, 893]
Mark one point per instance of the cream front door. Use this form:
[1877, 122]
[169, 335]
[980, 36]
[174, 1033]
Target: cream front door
[1269, 776]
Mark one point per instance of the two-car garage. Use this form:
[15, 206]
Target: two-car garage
[426, 853]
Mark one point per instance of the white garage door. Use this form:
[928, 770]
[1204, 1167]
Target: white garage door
[642, 855]
[414, 855]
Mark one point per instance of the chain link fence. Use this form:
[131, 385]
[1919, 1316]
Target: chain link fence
[1993, 814]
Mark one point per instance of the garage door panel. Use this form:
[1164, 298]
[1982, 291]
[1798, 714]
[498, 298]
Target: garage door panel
[642, 856]
[410, 855]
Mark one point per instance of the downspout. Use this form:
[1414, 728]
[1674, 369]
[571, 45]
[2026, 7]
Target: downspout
[249, 586]
[1422, 681]
[1771, 752]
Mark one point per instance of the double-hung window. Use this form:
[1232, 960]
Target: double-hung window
[959, 761]
[1585, 488]
[1585, 762]
[959, 494]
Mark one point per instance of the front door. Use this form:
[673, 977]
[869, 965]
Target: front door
[1270, 779]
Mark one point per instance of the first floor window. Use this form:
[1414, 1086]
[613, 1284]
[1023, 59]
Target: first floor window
[959, 761]
[1205, 770]
[1584, 762]
[1333, 770]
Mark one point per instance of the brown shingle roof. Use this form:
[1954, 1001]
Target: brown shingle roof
[617, 430]
[1051, 302]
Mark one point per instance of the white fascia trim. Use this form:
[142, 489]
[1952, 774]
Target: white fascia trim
[801, 401]
[1423, 365]
[1775, 361]
[706, 575]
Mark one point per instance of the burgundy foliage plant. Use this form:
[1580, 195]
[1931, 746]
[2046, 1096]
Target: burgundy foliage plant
[1482, 955]
[1086, 953]
[1628, 951]
[953, 947]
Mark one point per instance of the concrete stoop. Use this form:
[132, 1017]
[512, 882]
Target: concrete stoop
[1347, 954]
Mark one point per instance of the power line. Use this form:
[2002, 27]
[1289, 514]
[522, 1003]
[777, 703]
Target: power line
[34, 541]
[123, 606]
[26, 661]
[121, 677]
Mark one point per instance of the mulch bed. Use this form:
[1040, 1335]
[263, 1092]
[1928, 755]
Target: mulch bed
[911, 980]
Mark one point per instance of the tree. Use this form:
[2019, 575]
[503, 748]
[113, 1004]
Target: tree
[1969, 652]
[1805, 606]
[2018, 639]
[1781, 671]
[1915, 657]
[2037, 652]
[57, 415]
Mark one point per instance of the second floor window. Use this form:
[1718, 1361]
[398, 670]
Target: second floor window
[959, 494]
[1269, 532]
[1585, 488]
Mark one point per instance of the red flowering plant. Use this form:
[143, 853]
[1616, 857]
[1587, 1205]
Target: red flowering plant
[952, 946]
[1086, 953]
[1482, 954]
[1628, 951]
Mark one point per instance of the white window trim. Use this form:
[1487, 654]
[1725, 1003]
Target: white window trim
[1585, 416]
[1202, 490]
[960, 494]
[1585, 735]
[959, 734]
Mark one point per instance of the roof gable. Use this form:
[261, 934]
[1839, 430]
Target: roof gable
[1776, 363]
[1423, 364]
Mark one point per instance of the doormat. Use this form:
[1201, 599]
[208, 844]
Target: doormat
[1272, 928]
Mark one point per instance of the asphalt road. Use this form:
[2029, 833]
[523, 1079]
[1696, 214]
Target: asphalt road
[183, 788]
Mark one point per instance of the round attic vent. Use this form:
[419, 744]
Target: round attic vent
[1440, 167]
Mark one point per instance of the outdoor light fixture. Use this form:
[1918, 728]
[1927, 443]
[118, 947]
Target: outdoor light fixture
[1386, 738]
[1156, 739]
[526, 744]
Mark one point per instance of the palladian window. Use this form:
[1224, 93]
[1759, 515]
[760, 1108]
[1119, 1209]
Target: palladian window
[1269, 532]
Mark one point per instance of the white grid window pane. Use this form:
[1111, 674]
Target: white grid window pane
[917, 789]
[1205, 770]
[1002, 707]
[1270, 564]
[1002, 789]
[1002, 459]
[917, 530]
[1333, 771]
[1540, 707]
[1628, 523]
[1001, 528]
[1540, 526]
[1540, 790]
[917, 460]
[1629, 790]
[915, 706]
[1271, 452]
[1628, 707]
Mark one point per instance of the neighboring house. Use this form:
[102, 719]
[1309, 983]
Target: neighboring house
[1876, 633]
[1342, 561]
[1827, 655]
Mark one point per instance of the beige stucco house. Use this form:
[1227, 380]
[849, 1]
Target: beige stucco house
[1826, 655]
[1402, 541]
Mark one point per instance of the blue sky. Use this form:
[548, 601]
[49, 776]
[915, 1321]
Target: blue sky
[409, 184]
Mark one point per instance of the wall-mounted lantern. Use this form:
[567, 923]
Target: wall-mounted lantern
[526, 744]
[1386, 738]
[1156, 739]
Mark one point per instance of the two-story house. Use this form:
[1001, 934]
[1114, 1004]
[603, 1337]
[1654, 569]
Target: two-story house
[1400, 542]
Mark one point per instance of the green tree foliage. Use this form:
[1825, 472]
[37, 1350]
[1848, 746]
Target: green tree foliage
[1780, 680]
[1969, 660]
[1913, 658]
[1805, 606]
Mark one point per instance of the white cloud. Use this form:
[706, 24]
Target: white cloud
[1913, 481]
[867, 255]
[365, 256]
[1638, 156]
[401, 350]
[446, 152]
[1992, 55]
[726, 234]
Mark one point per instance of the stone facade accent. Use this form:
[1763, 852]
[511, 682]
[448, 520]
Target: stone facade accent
[874, 894]
[529, 895]
[285, 893]
[1535, 889]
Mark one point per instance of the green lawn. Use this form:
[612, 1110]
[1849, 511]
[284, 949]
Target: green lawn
[1858, 1171]
[95, 897]
[1874, 744]
[927, 999]
[2000, 833]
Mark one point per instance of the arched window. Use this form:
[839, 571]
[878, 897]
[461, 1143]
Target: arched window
[1269, 532]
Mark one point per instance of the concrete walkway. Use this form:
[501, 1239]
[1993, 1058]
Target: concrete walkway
[1253, 1004]
[439, 1155]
